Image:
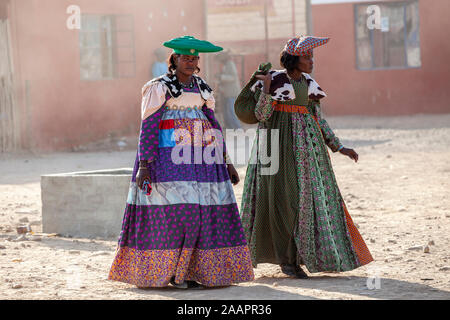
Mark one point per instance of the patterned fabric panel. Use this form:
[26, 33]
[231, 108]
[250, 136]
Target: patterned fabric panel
[167, 138]
[166, 193]
[249, 198]
[196, 132]
[166, 133]
[155, 268]
[322, 237]
[359, 245]
[184, 114]
[181, 225]
[148, 137]
[166, 124]
[264, 107]
[331, 140]
[164, 169]
[209, 113]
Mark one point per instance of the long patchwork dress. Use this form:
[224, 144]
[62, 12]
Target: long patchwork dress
[298, 216]
[189, 226]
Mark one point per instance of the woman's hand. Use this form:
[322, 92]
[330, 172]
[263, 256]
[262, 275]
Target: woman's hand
[142, 175]
[267, 80]
[234, 176]
[349, 153]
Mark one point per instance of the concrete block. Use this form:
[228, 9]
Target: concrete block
[87, 204]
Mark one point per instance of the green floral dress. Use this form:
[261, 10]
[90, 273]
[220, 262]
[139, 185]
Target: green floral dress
[297, 215]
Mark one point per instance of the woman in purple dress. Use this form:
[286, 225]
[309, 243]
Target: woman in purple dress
[181, 224]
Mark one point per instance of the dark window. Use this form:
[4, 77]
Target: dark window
[107, 47]
[395, 42]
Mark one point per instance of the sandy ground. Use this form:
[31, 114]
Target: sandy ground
[397, 194]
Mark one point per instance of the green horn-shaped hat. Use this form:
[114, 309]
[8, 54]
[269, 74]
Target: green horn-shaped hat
[189, 45]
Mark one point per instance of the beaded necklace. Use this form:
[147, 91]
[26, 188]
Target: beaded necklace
[188, 86]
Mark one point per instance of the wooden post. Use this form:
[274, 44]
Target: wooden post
[266, 30]
[309, 24]
[293, 18]
[9, 125]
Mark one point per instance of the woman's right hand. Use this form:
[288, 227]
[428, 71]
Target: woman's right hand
[142, 175]
[267, 80]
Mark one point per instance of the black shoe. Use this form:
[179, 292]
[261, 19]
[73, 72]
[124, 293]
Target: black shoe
[288, 269]
[293, 271]
[194, 285]
[182, 285]
[299, 273]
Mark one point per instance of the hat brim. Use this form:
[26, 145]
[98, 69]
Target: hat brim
[305, 45]
[191, 46]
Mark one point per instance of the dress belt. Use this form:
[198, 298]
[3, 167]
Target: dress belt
[290, 108]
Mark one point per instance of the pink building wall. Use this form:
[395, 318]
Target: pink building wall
[382, 92]
[60, 110]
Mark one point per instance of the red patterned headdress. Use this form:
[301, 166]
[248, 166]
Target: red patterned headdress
[303, 45]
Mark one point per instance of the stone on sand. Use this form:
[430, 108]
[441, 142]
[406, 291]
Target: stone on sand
[416, 248]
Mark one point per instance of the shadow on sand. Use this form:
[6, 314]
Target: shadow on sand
[233, 292]
[263, 289]
[365, 287]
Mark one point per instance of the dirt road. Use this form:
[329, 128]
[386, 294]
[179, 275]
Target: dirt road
[398, 195]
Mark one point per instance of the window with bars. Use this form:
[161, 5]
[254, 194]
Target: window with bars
[395, 43]
[107, 47]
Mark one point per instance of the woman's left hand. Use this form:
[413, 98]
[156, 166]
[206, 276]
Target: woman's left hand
[349, 153]
[267, 80]
[234, 176]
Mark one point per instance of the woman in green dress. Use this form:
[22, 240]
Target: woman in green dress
[297, 216]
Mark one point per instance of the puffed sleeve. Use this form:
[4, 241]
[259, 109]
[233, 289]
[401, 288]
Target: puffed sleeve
[153, 100]
[153, 97]
[211, 102]
[264, 107]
